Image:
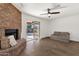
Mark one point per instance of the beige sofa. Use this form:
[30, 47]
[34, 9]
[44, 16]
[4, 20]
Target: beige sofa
[15, 50]
[61, 36]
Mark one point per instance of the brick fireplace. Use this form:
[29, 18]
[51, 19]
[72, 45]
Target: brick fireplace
[10, 17]
[10, 20]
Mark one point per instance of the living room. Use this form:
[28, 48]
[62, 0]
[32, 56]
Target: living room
[53, 26]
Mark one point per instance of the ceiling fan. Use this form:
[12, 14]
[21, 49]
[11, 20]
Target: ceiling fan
[56, 6]
[48, 12]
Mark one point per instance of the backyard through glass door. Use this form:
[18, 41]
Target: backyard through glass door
[33, 30]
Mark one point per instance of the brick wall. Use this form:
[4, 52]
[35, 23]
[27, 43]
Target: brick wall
[10, 17]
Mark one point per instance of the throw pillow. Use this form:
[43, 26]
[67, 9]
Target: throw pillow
[13, 42]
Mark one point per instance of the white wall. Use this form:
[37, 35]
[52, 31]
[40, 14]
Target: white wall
[67, 24]
[63, 24]
[43, 25]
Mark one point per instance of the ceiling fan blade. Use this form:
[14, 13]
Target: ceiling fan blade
[44, 14]
[54, 12]
[58, 8]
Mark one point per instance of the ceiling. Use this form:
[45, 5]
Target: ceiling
[35, 9]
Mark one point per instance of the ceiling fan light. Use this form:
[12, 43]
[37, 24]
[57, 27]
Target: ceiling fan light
[49, 15]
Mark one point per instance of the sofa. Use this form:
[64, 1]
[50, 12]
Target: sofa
[15, 50]
[61, 36]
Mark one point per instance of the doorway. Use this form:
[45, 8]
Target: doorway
[33, 30]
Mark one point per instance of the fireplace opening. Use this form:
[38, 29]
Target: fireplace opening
[14, 32]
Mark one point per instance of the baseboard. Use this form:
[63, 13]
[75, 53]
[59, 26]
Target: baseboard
[74, 41]
[46, 37]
